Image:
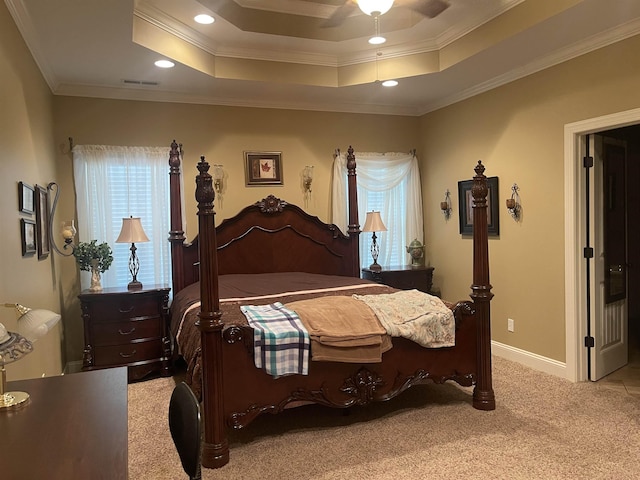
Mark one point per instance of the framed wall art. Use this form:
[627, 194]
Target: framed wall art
[25, 198]
[465, 200]
[263, 168]
[28, 234]
[42, 221]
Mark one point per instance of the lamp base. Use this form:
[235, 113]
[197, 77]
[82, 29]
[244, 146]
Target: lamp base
[135, 285]
[375, 267]
[12, 400]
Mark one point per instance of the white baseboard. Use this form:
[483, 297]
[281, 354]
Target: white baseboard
[532, 360]
[73, 367]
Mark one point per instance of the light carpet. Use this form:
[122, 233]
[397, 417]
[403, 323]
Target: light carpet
[543, 427]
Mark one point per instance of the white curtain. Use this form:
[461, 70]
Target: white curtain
[389, 183]
[113, 183]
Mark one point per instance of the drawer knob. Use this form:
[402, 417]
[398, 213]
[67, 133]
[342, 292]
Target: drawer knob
[127, 355]
[126, 310]
[133, 329]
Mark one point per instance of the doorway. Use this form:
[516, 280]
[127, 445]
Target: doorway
[626, 127]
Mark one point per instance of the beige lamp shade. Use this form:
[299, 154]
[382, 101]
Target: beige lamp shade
[132, 231]
[373, 223]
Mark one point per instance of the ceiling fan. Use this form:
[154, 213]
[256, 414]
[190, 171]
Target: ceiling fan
[375, 8]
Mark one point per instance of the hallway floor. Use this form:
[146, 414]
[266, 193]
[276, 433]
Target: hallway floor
[627, 378]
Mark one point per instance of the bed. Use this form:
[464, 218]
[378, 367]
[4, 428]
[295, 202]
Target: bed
[273, 238]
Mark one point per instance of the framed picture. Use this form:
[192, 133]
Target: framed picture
[28, 234]
[465, 200]
[42, 221]
[25, 198]
[263, 168]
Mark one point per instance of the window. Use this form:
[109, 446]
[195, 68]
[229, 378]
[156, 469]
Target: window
[113, 183]
[390, 184]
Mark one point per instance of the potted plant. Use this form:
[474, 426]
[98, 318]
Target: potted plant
[93, 258]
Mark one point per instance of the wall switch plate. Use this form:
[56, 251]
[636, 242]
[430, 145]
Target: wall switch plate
[510, 324]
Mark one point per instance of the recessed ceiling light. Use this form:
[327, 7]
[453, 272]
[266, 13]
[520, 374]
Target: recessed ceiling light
[377, 40]
[204, 19]
[164, 64]
[389, 83]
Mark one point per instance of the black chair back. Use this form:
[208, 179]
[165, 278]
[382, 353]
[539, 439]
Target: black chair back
[186, 429]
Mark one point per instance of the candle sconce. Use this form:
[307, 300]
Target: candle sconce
[218, 179]
[68, 229]
[307, 178]
[513, 203]
[445, 205]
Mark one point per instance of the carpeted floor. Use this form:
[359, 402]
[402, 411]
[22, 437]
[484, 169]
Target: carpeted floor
[543, 427]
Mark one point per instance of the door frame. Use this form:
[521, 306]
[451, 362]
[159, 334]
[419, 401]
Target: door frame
[575, 234]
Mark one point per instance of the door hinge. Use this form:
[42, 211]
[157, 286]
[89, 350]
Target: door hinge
[589, 342]
[587, 162]
[588, 252]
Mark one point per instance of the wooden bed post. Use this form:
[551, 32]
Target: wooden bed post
[176, 234]
[354, 227]
[216, 446]
[483, 396]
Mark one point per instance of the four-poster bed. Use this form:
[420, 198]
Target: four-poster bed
[270, 239]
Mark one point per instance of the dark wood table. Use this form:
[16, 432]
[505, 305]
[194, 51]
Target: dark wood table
[73, 426]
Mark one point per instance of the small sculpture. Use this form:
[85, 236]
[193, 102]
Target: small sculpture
[416, 251]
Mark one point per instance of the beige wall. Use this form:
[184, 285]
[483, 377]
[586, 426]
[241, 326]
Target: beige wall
[222, 134]
[517, 131]
[26, 137]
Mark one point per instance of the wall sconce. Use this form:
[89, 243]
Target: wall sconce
[218, 178]
[68, 229]
[445, 206]
[513, 203]
[307, 178]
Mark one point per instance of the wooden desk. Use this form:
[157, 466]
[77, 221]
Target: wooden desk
[74, 426]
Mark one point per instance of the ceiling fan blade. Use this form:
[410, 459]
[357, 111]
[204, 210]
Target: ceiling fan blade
[340, 14]
[430, 8]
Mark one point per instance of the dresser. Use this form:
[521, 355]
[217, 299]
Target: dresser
[127, 328]
[405, 277]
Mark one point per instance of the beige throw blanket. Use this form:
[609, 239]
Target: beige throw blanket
[342, 329]
[415, 315]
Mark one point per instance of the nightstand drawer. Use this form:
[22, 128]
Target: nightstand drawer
[117, 333]
[125, 307]
[109, 356]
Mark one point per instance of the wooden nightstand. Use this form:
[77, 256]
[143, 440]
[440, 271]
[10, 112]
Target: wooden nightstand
[127, 328]
[403, 277]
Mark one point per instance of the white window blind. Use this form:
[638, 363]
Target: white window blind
[113, 183]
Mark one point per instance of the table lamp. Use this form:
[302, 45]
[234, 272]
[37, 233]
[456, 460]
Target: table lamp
[373, 223]
[132, 232]
[32, 324]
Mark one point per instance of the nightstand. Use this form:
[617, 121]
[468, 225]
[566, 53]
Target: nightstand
[127, 328]
[403, 277]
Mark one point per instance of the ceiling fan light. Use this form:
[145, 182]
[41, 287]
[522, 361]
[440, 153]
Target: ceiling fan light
[389, 83]
[377, 40]
[379, 6]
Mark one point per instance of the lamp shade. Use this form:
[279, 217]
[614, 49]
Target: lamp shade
[36, 323]
[373, 223]
[379, 6]
[132, 231]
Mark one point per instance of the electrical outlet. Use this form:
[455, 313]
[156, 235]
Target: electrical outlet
[510, 324]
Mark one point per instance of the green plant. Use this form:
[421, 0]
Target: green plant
[88, 253]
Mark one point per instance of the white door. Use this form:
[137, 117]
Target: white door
[608, 282]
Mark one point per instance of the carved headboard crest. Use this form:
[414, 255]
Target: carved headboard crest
[271, 204]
